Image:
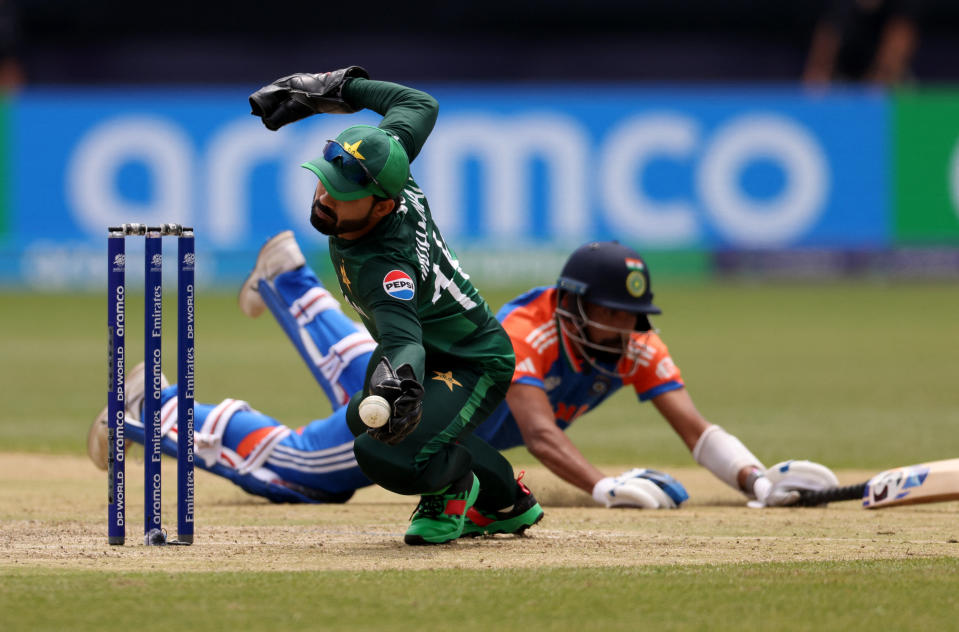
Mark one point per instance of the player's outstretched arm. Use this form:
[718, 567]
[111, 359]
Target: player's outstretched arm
[408, 114]
[543, 438]
[731, 462]
[299, 95]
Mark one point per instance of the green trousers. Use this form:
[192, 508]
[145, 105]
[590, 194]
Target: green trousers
[457, 398]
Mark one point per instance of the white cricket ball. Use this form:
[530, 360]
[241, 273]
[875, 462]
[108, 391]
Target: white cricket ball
[375, 411]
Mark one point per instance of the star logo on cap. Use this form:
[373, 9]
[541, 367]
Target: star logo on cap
[446, 378]
[354, 149]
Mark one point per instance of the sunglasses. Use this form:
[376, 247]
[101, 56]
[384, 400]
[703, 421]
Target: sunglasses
[351, 167]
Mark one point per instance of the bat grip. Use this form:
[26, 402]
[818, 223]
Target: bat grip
[833, 494]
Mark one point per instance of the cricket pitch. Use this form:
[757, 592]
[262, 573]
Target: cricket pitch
[53, 512]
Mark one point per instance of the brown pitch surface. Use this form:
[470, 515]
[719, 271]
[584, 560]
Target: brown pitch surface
[53, 516]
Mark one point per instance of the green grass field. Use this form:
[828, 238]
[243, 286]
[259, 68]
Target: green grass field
[855, 375]
[811, 596]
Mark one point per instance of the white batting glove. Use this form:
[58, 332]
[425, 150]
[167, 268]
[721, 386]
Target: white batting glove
[782, 483]
[642, 488]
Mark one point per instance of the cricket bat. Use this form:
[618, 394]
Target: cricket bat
[932, 482]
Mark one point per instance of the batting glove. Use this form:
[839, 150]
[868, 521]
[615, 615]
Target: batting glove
[642, 488]
[781, 484]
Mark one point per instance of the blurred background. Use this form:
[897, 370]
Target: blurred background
[790, 170]
[247, 42]
[736, 138]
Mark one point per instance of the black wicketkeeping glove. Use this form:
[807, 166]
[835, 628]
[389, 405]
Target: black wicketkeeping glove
[405, 395]
[294, 97]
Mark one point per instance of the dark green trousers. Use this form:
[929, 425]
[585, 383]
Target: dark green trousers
[457, 398]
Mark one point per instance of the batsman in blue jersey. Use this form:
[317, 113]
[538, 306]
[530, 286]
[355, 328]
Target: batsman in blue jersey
[576, 343]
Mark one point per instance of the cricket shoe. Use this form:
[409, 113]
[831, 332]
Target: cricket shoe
[521, 516]
[278, 255]
[439, 517]
[97, 444]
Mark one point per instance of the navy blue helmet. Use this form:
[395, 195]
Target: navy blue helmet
[610, 274]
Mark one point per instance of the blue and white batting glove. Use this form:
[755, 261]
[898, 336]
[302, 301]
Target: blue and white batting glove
[782, 483]
[642, 488]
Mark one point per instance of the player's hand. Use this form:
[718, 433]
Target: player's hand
[782, 483]
[643, 488]
[405, 395]
[297, 96]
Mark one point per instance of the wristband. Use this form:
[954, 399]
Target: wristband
[724, 455]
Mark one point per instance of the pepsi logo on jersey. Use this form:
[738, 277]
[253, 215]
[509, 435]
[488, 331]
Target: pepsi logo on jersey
[399, 285]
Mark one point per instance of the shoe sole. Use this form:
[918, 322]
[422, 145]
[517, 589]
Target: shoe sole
[418, 540]
[97, 448]
[518, 531]
[254, 308]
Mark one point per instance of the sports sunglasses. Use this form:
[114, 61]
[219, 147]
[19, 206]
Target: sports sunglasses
[352, 168]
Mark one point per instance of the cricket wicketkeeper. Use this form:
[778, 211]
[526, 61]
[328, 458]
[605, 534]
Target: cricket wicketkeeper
[442, 359]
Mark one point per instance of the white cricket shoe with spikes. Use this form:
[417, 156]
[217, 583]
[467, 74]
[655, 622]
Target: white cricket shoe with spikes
[97, 447]
[279, 254]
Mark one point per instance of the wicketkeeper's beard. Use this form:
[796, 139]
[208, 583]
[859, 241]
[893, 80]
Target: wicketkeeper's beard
[330, 224]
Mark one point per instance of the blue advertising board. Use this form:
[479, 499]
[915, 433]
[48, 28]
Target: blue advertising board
[505, 168]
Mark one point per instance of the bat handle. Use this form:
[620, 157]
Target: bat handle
[833, 494]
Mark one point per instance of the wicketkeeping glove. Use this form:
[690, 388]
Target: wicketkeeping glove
[646, 489]
[782, 483]
[405, 395]
[297, 96]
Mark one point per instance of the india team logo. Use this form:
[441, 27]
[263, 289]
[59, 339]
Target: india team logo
[635, 281]
[399, 285]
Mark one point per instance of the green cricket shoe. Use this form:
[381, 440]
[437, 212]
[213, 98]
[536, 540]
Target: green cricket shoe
[521, 516]
[439, 517]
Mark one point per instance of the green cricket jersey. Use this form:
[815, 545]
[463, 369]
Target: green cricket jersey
[401, 277]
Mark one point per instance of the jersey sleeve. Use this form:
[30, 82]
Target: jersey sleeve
[534, 335]
[656, 373]
[389, 291]
[408, 114]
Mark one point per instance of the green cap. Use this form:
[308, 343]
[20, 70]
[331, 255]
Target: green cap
[381, 154]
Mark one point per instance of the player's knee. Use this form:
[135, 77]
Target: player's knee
[385, 467]
[401, 473]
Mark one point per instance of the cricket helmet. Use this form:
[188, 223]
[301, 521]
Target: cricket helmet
[612, 275]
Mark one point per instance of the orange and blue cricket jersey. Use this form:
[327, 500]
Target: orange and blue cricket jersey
[546, 358]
